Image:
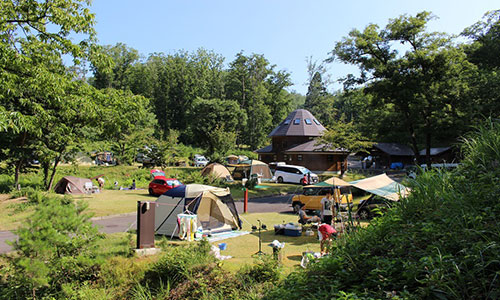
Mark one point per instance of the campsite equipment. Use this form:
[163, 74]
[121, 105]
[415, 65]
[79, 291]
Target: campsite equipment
[73, 185]
[293, 229]
[383, 186]
[261, 226]
[213, 206]
[217, 170]
[222, 246]
[248, 168]
[145, 225]
[277, 249]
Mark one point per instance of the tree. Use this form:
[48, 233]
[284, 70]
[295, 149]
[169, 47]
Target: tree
[423, 84]
[55, 246]
[212, 115]
[37, 92]
[344, 135]
[123, 60]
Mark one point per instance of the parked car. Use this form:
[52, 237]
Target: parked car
[200, 161]
[274, 164]
[294, 174]
[160, 185]
[373, 206]
[311, 197]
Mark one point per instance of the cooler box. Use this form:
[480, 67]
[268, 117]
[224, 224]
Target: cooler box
[293, 231]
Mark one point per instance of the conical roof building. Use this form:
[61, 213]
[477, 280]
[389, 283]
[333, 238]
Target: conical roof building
[294, 142]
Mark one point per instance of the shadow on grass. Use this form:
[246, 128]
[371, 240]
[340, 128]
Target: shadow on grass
[294, 257]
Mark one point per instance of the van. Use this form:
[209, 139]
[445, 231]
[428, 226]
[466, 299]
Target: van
[294, 174]
[200, 161]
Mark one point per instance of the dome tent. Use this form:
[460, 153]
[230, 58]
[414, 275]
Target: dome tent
[213, 206]
[73, 185]
[218, 170]
[250, 167]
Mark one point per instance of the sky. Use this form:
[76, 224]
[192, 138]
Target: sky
[286, 32]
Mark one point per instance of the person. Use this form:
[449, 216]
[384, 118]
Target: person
[308, 177]
[132, 187]
[304, 180]
[100, 181]
[326, 208]
[304, 218]
[325, 232]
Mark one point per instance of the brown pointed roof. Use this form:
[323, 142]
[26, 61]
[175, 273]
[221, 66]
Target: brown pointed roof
[299, 122]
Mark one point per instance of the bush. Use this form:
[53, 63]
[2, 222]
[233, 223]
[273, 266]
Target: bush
[264, 269]
[55, 247]
[177, 265]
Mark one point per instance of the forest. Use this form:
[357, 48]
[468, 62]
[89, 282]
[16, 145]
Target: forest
[420, 88]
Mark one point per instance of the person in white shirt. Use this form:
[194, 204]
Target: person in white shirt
[326, 208]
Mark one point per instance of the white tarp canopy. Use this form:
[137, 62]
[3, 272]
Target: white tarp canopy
[383, 186]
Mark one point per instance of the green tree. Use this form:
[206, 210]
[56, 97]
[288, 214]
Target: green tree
[123, 59]
[37, 92]
[55, 246]
[211, 115]
[424, 83]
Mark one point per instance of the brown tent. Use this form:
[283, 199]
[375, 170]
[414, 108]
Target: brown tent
[250, 167]
[73, 185]
[218, 170]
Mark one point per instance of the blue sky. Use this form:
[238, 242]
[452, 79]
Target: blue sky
[286, 32]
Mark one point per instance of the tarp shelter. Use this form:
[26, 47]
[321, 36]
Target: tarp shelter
[342, 190]
[218, 170]
[250, 167]
[383, 186]
[73, 185]
[214, 207]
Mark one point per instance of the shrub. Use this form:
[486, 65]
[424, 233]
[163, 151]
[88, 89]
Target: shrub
[55, 247]
[176, 265]
[264, 269]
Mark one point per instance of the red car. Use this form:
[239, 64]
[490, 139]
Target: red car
[160, 185]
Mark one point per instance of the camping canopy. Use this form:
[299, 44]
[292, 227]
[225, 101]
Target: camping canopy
[334, 181]
[214, 207]
[248, 168]
[73, 185]
[383, 186]
[218, 170]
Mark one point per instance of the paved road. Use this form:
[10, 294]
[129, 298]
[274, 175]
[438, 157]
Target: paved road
[123, 223]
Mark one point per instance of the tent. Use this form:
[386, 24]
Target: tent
[248, 168]
[73, 185]
[214, 207]
[383, 186]
[218, 170]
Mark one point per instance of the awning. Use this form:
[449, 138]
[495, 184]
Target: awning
[383, 186]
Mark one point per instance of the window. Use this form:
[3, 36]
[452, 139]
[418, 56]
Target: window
[275, 158]
[299, 157]
[308, 121]
[287, 121]
[285, 157]
[296, 121]
[317, 122]
[159, 181]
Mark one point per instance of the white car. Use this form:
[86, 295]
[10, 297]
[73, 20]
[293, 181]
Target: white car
[294, 174]
[200, 161]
